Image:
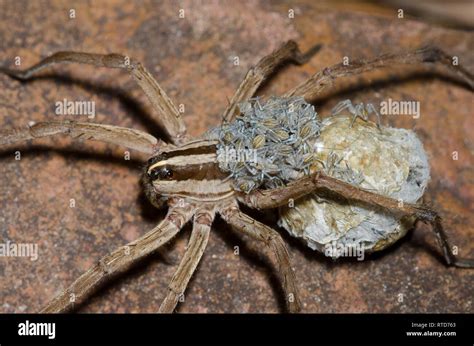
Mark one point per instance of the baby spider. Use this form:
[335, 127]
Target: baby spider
[185, 176]
[360, 110]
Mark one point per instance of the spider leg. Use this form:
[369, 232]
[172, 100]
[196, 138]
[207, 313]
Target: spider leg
[264, 68]
[272, 240]
[354, 110]
[120, 259]
[343, 105]
[359, 113]
[370, 108]
[168, 115]
[360, 110]
[272, 198]
[316, 83]
[130, 138]
[194, 251]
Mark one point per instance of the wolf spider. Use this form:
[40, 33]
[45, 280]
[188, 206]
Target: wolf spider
[183, 175]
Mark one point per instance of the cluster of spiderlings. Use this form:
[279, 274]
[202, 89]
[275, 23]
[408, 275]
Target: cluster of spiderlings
[269, 144]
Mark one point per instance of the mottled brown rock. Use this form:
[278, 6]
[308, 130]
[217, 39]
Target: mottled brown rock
[192, 58]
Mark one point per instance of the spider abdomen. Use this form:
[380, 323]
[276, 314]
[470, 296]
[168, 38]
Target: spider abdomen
[391, 162]
[288, 141]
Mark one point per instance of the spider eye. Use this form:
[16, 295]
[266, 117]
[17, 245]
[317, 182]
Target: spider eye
[166, 173]
[154, 174]
[160, 173]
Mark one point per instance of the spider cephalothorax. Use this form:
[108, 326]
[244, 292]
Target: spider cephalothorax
[286, 168]
[190, 171]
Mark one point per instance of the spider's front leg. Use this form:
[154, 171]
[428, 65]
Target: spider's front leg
[272, 240]
[272, 198]
[264, 68]
[168, 116]
[319, 81]
[129, 138]
[121, 259]
[194, 251]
